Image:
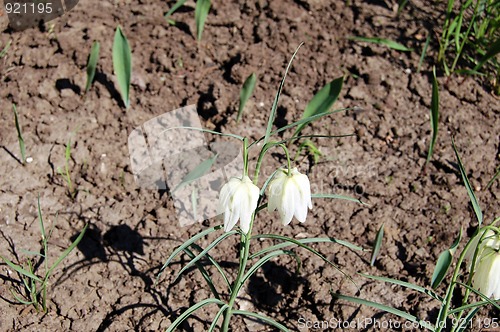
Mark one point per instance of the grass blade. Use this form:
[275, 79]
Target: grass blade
[216, 318]
[303, 241]
[424, 51]
[185, 245]
[263, 318]
[434, 114]
[214, 263]
[385, 308]
[5, 49]
[492, 51]
[66, 252]
[200, 16]
[204, 273]
[277, 98]
[466, 321]
[122, 64]
[382, 41]
[177, 5]
[444, 262]
[481, 295]
[246, 92]
[92, 64]
[377, 245]
[192, 309]
[20, 138]
[406, 285]
[20, 270]
[322, 101]
[205, 251]
[490, 183]
[261, 262]
[470, 192]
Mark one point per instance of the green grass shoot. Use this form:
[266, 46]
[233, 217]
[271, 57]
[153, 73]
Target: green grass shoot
[434, 115]
[36, 284]
[200, 16]
[22, 147]
[382, 41]
[4, 51]
[172, 10]
[92, 64]
[246, 92]
[377, 245]
[122, 64]
[424, 52]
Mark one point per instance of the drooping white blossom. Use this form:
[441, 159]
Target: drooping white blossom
[238, 200]
[290, 194]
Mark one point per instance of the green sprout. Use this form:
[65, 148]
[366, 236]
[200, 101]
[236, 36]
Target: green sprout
[36, 284]
[22, 147]
[122, 64]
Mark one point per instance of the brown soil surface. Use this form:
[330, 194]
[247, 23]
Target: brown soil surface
[107, 284]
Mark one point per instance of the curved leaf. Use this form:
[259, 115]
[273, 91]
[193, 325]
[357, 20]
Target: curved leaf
[263, 318]
[122, 64]
[92, 64]
[192, 309]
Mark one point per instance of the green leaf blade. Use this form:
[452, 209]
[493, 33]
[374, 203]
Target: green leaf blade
[246, 92]
[434, 114]
[382, 41]
[322, 101]
[444, 262]
[122, 64]
[377, 245]
[200, 16]
[92, 64]
[22, 146]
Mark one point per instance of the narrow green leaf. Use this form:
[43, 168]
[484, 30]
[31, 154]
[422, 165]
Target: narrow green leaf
[20, 270]
[434, 114]
[424, 51]
[296, 123]
[303, 241]
[406, 285]
[205, 131]
[205, 251]
[481, 295]
[261, 262]
[204, 273]
[246, 92]
[385, 308]
[333, 196]
[492, 51]
[185, 245]
[200, 16]
[490, 183]
[192, 309]
[177, 5]
[197, 172]
[302, 245]
[263, 318]
[122, 64]
[466, 321]
[377, 245]
[272, 115]
[470, 191]
[66, 252]
[401, 5]
[322, 101]
[444, 262]
[468, 306]
[5, 49]
[214, 263]
[20, 138]
[92, 64]
[382, 41]
[19, 299]
[216, 318]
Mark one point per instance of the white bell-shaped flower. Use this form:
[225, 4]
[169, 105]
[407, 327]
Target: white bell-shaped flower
[238, 200]
[290, 194]
[486, 277]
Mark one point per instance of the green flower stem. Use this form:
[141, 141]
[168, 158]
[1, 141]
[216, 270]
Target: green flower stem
[471, 274]
[451, 288]
[265, 148]
[245, 156]
[288, 161]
